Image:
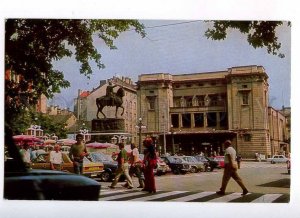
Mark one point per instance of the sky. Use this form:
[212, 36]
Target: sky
[179, 47]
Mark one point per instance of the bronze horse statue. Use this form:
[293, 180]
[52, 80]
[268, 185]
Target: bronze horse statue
[116, 100]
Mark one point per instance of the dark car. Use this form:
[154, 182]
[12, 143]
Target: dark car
[22, 183]
[176, 164]
[288, 166]
[110, 166]
[209, 163]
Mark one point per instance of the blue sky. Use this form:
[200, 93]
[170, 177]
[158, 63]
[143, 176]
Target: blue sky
[179, 47]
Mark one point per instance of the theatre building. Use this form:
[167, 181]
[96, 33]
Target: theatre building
[193, 113]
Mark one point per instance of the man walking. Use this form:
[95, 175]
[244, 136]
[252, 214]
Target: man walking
[135, 166]
[77, 152]
[230, 169]
[123, 168]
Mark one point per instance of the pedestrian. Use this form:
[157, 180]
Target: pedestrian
[238, 160]
[25, 153]
[135, 166]
[230, 169]
[123, 168]
[77, 153]
[150, 162]
[56, 158]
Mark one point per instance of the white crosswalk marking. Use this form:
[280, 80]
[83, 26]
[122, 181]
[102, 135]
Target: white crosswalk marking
[170, 196]
[192, 197]
[267, 198]
[120, 196]
[226, 198]
[156, 196]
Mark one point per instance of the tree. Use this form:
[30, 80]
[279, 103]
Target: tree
[259, 33]
[32, 44]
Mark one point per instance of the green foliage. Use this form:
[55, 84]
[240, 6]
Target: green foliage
[259, 33]
[31, 45]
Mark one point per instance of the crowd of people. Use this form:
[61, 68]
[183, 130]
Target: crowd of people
[129, 164]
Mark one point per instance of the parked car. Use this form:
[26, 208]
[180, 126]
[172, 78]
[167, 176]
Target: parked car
[110, 166]
[288, 166]
[220, 160]
[277, 159]
[209, 163]
[162, 167]
[195, 165]
[90, 169]
[21, 183]
[176, 164]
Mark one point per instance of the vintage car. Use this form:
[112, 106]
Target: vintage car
[277, 159]
[176, 164]
[90, 169]
[209, 162]
[195, 165]
[21, 183]
[110, 166]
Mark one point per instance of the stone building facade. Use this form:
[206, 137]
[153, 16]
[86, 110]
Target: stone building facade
[193, 113]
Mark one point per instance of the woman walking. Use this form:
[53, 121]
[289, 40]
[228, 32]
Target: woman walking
[150, 161]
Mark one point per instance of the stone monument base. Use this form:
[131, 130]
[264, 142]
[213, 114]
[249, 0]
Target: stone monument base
[108, 125]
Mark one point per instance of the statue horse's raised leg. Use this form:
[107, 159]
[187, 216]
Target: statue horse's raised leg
[100, 108]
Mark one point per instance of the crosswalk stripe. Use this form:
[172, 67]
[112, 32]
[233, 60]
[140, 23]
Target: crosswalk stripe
[226, 198]
[192, 197]
[267, 198]
[131, 194]
[152, 197]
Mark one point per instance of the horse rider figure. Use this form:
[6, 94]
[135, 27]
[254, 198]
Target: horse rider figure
[110, 93]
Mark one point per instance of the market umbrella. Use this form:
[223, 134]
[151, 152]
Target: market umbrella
[98, 145]
[29, 139]
[49, 141]
[66, 141]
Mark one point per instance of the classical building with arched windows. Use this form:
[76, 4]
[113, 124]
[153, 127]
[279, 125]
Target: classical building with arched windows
[193, 113]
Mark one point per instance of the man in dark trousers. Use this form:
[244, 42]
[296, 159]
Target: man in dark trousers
[230, 169]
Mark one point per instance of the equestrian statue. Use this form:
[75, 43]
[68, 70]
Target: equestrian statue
[110, 99]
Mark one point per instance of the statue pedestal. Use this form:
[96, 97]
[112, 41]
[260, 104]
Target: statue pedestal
[108, 125]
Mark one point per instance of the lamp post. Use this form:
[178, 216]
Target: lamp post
[85, 132]
[172, 138]
[140, 126]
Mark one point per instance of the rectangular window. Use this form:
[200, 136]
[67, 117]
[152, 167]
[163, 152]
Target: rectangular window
[247, 137]
[186, 120]
[151, 102]
[212, 119]
[223, 119]
[245, 98]
[199, 119]
[175, 120]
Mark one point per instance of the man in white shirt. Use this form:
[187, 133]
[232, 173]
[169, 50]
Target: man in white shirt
[56, 158]
[230, 169]
[135, 166]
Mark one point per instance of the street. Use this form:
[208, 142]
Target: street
[267, 183]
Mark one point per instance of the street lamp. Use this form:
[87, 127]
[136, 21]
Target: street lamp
[140, 126]
[172, 135]
[85, 132]
[35, 130]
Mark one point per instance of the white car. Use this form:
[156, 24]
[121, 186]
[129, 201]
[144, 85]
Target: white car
[277, 159]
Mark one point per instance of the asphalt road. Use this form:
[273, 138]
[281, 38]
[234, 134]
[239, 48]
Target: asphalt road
[260, 177]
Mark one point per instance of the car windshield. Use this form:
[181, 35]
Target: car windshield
[99, 157]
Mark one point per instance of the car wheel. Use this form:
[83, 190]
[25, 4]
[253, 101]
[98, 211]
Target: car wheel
[176, 171]
[105, 176]
[272, 162]
[211, 169]
[194, 170]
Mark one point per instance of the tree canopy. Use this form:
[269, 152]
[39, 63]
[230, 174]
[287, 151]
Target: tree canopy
[31, 45]
[259, 33]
